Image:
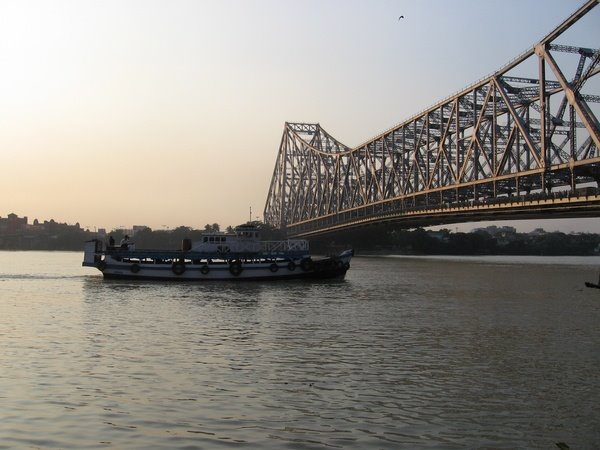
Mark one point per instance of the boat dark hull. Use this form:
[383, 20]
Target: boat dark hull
[116, 267]
[298, 276]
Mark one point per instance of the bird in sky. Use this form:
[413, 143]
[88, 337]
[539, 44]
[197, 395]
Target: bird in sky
[401, 17]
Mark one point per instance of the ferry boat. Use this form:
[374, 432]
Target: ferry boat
[218, 256]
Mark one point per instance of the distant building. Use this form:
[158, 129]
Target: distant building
[495, 231]
[537, 232]
[36, 227]
[13, 224]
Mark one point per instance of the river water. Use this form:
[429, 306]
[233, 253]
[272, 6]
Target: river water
[406, 352]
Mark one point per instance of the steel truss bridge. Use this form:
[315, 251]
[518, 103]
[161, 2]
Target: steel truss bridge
[522, 143]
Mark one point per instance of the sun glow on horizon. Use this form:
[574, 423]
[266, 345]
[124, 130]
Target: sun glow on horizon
[154, 112]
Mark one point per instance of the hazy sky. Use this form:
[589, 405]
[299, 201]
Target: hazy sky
[167, 113]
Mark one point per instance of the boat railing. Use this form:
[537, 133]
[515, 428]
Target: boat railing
[270, 249]
[289, 245]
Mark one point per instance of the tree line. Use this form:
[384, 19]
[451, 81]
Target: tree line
[392, 240]
[382, 238]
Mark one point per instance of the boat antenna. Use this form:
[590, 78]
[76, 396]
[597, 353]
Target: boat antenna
[250, 215]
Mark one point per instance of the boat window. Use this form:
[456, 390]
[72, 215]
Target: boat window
[205, 239]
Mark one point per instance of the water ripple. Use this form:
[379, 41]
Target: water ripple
[403, 354]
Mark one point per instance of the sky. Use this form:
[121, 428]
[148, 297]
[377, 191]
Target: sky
[169, 113]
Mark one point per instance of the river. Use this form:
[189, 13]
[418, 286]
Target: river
[406, 352]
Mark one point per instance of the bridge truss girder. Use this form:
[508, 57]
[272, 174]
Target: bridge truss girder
[506, 136]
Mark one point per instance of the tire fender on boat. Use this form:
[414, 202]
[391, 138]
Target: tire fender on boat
[178, 267]
[235, 268]
[307, 264]
[204, 269]
[101, 265]
[273, 267]
[291, 266]
[135, 268]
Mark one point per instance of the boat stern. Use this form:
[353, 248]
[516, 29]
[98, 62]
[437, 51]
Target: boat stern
[334, 266]
[92, 253]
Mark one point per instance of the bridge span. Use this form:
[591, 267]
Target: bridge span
[522, 143]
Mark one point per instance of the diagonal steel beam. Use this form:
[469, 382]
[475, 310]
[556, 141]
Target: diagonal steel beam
[585, 113]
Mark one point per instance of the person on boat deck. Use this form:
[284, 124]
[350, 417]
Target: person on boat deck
[111, 241]
[125, 242]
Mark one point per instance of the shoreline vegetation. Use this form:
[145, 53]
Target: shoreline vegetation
[382, 239]
[389, 240]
